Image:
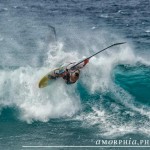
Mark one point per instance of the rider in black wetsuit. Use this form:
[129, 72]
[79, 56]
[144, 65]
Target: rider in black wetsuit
[70, 76]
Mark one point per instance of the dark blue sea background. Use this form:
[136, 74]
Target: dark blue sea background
[111, 100]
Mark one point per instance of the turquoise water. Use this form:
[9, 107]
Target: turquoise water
[111, 100]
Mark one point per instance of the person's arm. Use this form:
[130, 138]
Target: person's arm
[81, 65]
[86, 61]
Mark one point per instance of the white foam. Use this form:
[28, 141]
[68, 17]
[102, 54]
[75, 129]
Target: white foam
[110, 124]
[19, 88]
[100, 68]
[148, 31]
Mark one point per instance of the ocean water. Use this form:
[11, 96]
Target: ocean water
[111, 100]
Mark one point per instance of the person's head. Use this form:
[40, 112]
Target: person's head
[75, 75]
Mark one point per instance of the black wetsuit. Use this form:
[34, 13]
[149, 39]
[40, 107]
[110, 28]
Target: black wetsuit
[67, 78]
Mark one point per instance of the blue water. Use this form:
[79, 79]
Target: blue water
[111, 100]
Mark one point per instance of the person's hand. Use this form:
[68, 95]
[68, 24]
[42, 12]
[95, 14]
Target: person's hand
[86, 61]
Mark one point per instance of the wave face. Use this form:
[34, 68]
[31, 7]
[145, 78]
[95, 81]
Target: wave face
[111, 98]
